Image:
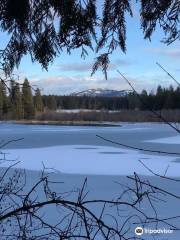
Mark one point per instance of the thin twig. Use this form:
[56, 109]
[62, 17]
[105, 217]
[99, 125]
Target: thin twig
[137, 148]
[173, 78]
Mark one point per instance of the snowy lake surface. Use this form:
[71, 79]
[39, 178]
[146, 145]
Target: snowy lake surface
[74, 153]
[77, 150]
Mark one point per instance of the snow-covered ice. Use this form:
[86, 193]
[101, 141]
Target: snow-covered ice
[167, 140]
[76, 149]
[99, 160]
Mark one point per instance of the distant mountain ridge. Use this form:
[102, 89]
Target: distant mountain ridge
[102, 93]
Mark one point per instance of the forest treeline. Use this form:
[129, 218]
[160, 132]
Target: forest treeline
[163, 98]
[21, 101]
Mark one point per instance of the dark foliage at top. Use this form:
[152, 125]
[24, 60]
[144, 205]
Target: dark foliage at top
[45, 28]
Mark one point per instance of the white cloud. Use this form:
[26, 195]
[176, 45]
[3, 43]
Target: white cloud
[62, 85]
[87, 67]
[66, 85]
[74, 67]
[174, 52]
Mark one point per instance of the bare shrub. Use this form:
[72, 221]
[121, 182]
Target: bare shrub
[22, 211]
[121, 116]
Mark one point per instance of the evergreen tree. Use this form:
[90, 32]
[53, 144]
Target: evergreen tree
[177, 97]
[1, 101]
[38, 103]
[133, 101]
[11, 98]
[27, 100]
[144, 103]
[17, 103]
[5, 99]
[160, 98]
[12, 88]
[169, 102]
[52, 104]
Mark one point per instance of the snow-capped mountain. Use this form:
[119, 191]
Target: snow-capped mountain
[102, 93]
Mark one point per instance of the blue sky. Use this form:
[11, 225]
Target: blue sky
[70, 73]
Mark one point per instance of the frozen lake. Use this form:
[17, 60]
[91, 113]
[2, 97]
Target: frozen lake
[37, 136]
[74, 153]
[77, 150]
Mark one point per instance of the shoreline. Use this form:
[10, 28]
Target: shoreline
[78, 123]
[64, 123]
